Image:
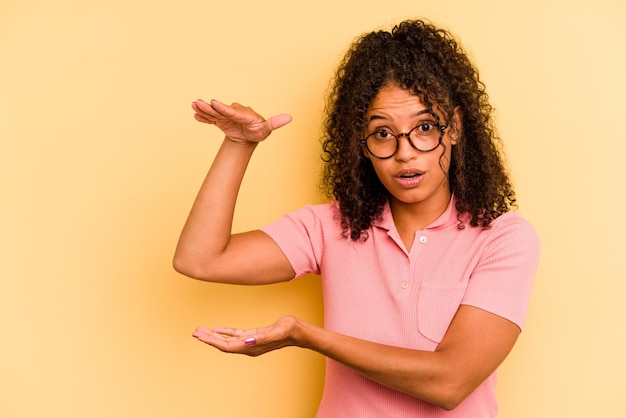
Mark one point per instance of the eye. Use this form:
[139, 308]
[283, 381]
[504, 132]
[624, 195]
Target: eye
[425, 127]
[382, 134]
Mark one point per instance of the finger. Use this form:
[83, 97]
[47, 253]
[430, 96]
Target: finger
[220, 109]
[228, 344]
[201, 332]
[279, 121]
[203, 329]
[213, 338]
[235, 332]
[234, 337]
[202, 119]
[223, 108]
[237, 113]
[201, 115]
[201, 106]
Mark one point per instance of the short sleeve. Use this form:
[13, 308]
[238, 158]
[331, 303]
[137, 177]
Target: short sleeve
[300, 236]
[502, 280]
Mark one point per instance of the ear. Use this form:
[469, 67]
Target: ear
[456, 126]
[366, 153]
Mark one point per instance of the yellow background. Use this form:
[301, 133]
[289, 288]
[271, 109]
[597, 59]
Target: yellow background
[100, 160]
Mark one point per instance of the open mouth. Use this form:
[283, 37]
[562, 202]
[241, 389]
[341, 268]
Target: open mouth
[409, 175]
[409, 179]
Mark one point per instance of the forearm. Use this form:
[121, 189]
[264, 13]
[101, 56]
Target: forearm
[475, 344]
[430, 376]
[207, 231]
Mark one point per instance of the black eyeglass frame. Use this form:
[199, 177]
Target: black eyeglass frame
[397, 137]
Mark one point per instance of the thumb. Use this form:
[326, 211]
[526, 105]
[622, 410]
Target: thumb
[278, 121]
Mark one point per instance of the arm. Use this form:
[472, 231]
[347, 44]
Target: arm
[207, 249]
[475, 344]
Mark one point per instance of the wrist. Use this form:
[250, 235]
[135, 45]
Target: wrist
[304, 334]
[241, 142]
[236, 147]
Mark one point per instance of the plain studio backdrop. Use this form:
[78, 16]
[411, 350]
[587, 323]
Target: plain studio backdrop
[100, 160]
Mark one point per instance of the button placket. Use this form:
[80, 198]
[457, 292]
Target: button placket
[406, 283]
[411, 280]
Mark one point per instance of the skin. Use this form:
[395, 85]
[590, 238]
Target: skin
[476, 341]
[413, 206]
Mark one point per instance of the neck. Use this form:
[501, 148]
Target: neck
[411, 217]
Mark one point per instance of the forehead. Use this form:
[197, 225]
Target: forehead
[393, 101]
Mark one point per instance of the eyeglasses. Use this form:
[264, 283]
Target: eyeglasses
[425, 137]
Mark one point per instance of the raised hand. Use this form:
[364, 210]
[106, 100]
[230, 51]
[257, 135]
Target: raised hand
[239, 123]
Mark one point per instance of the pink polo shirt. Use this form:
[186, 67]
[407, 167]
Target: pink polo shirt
[376, 290]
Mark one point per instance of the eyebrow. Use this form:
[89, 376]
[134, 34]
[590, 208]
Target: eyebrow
[378, 117]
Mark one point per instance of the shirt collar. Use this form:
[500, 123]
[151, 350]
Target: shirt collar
[448, 217]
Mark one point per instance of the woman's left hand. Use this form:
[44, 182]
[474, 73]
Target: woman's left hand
[253, 341]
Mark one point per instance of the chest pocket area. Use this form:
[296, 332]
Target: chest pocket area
[436, 306]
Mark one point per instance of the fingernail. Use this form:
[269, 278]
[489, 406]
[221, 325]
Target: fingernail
[250, 341]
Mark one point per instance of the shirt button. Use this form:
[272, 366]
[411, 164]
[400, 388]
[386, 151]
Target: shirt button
[423, 239]
[405, 284]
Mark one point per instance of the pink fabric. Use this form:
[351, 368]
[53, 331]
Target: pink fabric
[377, 291]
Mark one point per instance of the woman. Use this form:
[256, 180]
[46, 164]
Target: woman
[426, 272]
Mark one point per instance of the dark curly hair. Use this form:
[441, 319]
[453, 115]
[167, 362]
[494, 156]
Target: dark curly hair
[428, 62]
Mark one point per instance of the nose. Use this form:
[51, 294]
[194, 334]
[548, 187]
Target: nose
[406, 151]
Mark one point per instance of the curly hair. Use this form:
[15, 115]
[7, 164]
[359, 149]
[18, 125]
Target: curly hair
[427, 61]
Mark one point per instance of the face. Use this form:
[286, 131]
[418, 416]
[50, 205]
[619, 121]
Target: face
[413, 178]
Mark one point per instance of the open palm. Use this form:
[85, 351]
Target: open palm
[239, 123]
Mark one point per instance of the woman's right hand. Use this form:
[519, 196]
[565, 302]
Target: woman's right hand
[240, 124]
